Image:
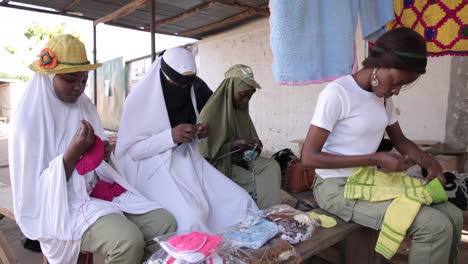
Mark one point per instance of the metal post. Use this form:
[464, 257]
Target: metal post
[95, 61]
[153, 29]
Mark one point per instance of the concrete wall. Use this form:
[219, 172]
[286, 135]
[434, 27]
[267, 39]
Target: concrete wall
[423, 108]
[457, 114]
[283, 113]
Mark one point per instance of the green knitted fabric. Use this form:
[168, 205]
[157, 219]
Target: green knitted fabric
[407, 195]
[437, 191]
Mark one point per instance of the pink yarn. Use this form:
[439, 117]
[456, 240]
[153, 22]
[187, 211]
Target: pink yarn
[92, 158]
[106, 191]
[195, 241]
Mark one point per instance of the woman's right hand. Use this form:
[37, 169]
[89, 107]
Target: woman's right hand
[184, 133]
[243, 143]
[80, 143]
[392, 161]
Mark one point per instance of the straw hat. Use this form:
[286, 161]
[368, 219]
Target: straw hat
[63, 54]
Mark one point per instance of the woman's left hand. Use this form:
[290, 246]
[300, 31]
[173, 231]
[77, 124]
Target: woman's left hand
[107, 150]
[434, 170]
[259, 144]
[203, 130]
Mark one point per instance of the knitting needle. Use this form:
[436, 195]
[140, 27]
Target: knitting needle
[227, 154]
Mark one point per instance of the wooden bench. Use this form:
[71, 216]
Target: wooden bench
[305, 200]
[6, 210]
[7, 255]
[347, 242]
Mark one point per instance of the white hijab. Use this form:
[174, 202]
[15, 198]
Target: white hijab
[194, 192]
[41, 130]
[145, 112]
[46, 206]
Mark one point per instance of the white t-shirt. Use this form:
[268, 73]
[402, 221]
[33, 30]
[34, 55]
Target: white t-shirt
[355, 118]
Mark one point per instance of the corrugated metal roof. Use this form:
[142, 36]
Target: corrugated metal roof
[189, 18]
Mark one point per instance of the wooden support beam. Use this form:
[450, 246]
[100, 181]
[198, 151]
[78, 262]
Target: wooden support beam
[262, 10]
[71, 5]
[187, 13]
[221, 23]
[95, 61]
[124, 10]
[153, 29]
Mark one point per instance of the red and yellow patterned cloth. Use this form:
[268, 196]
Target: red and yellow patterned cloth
[443, 23]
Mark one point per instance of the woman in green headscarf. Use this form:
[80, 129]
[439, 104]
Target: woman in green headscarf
[232, 131]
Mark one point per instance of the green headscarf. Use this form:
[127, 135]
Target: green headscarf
[227, 123]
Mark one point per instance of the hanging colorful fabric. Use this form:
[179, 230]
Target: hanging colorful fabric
[443, 23]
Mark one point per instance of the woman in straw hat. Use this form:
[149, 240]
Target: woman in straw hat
[227, 112]
[157, 149]
[54, 126]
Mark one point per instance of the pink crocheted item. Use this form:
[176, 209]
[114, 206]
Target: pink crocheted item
[103, 190]
[118, 190]
[92, 158]
[107, 191]
[195, 242]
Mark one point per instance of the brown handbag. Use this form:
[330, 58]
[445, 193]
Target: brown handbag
[299, 178]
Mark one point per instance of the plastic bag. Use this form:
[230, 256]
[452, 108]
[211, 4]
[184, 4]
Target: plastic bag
[162, 257]
[254, 236]
[253, 232]
[275, 251]
[188, 247]
[294, 226]
[159, 257]
[253, 217]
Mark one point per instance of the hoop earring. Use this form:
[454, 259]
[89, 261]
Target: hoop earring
[374, 80]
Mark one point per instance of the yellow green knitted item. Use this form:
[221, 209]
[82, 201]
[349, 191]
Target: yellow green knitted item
[407, 194]
[437, 191]
[324, 220]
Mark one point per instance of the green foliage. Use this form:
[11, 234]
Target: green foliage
[36, 37]
[10, 49]
[24, 78]
[38, 33]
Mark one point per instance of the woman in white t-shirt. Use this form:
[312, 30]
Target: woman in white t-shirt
[351, 116]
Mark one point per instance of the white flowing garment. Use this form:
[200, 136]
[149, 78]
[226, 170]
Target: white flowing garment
[175, 176]
[47, 207]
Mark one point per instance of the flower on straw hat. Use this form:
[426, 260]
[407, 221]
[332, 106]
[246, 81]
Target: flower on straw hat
[63, 54]
[47, 59]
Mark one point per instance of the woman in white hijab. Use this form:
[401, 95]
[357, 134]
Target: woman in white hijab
[157, 149]
[54, 125]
